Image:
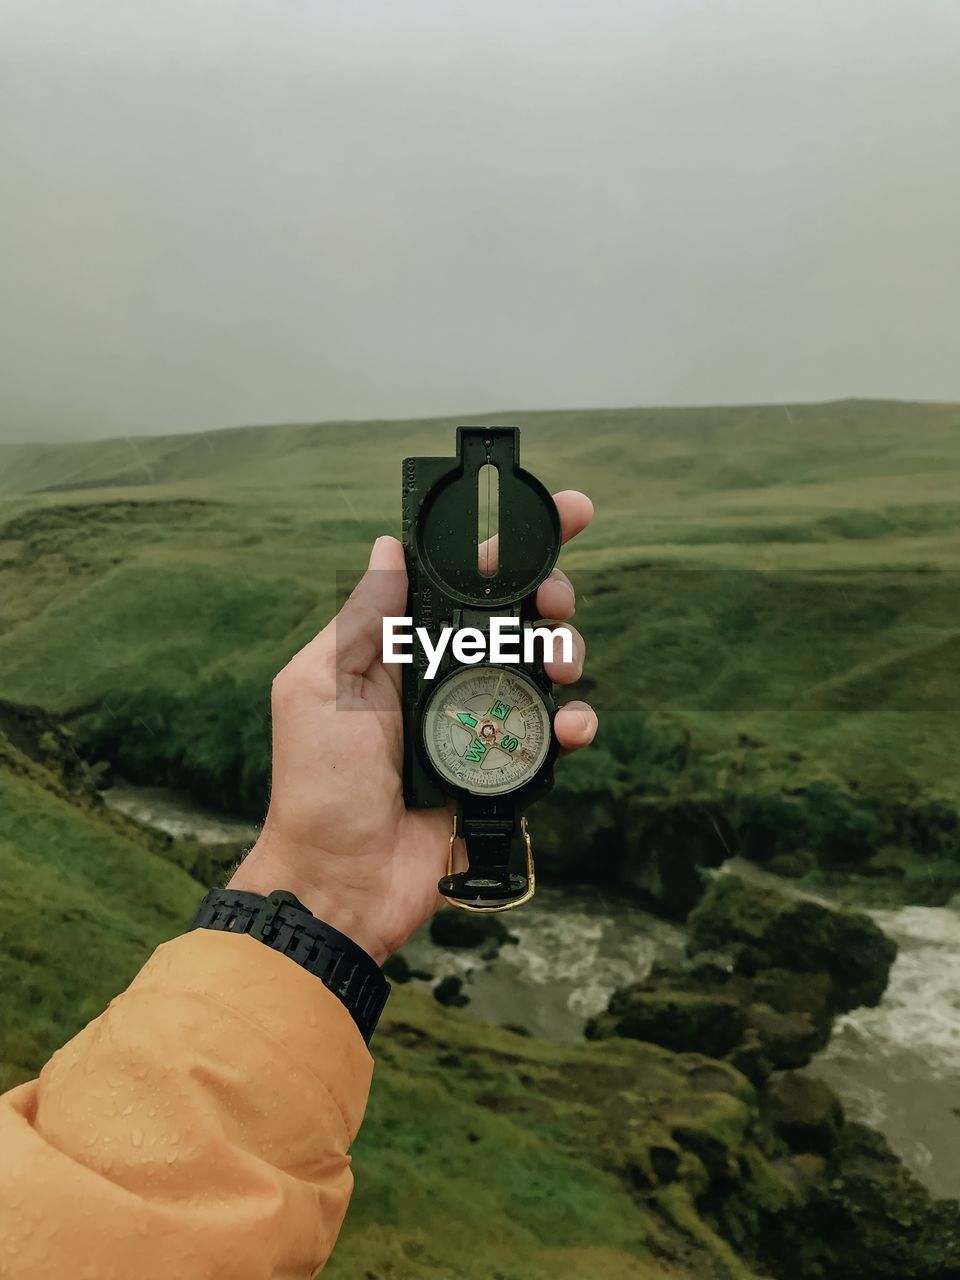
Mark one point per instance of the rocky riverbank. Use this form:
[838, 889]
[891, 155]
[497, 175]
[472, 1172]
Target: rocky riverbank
[654, 805]
[618, 1159]
[776, 1173]
[766, 977]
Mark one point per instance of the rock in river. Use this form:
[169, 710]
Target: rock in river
[452, 928]
[793, 965]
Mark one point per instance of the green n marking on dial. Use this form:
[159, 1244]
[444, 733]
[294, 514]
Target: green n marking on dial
[477, 751]
[466, 718]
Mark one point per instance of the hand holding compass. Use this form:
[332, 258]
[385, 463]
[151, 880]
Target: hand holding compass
[338, 834]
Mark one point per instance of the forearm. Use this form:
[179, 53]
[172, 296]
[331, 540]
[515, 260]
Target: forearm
[199, 1127]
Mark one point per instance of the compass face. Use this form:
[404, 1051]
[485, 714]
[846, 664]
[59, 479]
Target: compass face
[487, 730]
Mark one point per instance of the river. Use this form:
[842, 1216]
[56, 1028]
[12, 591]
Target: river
[896, 1067]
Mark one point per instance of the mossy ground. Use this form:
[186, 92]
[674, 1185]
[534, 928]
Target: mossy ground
[485, 1153]
[84, 904]
[543, 1157]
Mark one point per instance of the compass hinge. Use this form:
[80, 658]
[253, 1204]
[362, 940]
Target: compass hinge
[487, 888]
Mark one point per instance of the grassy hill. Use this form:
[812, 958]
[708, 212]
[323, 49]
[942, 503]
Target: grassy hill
[774, 583]
[74, 881]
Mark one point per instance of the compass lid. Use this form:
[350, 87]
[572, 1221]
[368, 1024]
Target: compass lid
[482, 562]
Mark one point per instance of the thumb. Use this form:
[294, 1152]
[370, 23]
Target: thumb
[380, 593]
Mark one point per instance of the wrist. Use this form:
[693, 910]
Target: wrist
[262, 873]
[280, 922]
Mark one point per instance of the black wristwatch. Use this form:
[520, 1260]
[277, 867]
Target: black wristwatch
[284, 923]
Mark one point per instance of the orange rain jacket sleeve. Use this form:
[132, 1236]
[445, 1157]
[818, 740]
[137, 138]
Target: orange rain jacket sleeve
[198, 1128]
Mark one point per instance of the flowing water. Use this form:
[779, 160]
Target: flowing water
[176, 814]
[573, 949]
[896, 1067]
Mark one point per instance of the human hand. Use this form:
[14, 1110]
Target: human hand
[337, 834]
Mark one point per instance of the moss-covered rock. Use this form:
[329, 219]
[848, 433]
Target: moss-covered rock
[29, 736]
[803, 1111]
[765, 990]
[667, 842]
[799, 862]
[680, 1020]
[724, 1017]
[764, 929]
[773, 1020]
[452, 928]
[449, 991]
[786, 1039]
[862, 1216]
[397, 968]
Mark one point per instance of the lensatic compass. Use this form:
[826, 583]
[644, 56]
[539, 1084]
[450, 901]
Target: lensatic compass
[480, 535]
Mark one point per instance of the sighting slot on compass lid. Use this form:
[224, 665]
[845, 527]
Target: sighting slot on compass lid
[449, 529]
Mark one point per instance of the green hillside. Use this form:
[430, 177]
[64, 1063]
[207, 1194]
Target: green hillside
[770, 586]
[75, 881]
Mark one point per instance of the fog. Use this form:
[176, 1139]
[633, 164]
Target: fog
[221, 213]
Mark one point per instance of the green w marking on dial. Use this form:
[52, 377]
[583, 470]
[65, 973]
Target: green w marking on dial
[477, 751]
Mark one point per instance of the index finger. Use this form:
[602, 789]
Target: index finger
[575, 510]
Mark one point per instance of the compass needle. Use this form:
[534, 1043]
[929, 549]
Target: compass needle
[496, 691]
[447, 715]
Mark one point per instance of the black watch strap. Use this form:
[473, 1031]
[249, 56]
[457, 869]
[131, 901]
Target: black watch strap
[285, 924]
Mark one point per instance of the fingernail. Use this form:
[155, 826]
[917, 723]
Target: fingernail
[586, 724]
[373, 549]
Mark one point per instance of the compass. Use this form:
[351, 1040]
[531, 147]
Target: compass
[487, 730]
[480, 534]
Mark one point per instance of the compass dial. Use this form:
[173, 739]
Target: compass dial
[487, 730]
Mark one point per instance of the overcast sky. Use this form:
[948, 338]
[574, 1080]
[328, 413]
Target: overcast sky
[217, 212]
